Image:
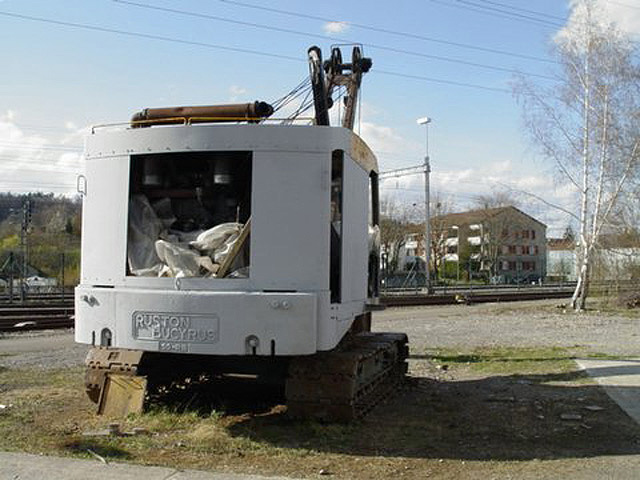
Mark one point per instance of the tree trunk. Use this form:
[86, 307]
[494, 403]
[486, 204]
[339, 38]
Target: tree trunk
[579, 298]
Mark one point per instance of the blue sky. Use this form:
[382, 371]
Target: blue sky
[58, 79]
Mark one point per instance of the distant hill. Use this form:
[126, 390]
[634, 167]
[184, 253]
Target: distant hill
[53, 230]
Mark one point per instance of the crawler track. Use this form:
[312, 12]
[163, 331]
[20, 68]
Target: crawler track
[346, 383]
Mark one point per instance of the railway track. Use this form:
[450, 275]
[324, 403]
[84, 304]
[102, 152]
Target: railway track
[51, 313]
[468, 297]
[15, 317]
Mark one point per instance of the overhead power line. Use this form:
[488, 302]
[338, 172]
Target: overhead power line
[29, 146]
[226, 48]
[149, 36]
[399, 33]
[519, 9]
[327, 37]
[515, 15]
[505, 15]
[436, 80]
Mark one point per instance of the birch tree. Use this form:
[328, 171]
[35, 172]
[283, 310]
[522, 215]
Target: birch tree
[587, 124]
[440, 208]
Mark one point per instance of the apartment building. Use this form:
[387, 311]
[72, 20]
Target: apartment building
[503, 244]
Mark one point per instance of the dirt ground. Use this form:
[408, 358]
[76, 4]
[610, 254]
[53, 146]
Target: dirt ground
[493, 392]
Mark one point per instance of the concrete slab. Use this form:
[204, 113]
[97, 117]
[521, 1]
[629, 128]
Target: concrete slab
[23, 466]
[620, 379]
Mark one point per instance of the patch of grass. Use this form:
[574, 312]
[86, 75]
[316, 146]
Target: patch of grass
[506, 360]
[546, 364]
[99, 447]
[483, 413]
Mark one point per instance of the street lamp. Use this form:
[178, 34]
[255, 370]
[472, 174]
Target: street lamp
[427, 224]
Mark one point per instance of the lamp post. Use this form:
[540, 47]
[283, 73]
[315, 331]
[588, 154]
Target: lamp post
[427, 224]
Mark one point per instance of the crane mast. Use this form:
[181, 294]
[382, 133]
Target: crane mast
[333, 73]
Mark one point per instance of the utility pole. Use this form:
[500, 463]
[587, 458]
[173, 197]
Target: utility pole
[427, 196]
[24, 230]
[418, 169]
[62, 276]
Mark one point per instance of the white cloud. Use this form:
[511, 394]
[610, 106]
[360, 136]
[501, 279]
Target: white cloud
[624, 16]
[335, 27]
[462, 187]
[32, 162]
[388, 145]
[236, 92]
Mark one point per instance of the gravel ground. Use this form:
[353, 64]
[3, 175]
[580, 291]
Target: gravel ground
[447, 423]
[41, 349]
[522, 324]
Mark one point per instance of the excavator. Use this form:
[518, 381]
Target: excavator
[220, 241]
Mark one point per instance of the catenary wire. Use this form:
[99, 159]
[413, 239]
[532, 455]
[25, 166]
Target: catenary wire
[226, 48]
[327, 37]
[524, 10]
[149, 36]
[515, 15]
[468, 8]
[389, 31]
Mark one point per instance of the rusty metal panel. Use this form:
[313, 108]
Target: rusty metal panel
[122, 395]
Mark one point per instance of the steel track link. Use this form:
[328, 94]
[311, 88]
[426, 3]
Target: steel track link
[345, 384]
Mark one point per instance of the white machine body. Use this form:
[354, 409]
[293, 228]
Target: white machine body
[285, 306]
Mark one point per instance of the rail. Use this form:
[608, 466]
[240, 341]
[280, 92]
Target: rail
[50, 311]
[16, 318]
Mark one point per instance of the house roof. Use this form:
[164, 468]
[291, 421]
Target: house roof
[480, 215]
[560, 244]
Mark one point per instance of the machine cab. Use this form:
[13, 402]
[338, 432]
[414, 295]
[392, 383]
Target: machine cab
[226, 239]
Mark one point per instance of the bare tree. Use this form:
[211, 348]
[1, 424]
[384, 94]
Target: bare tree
[496, 199]
[440, 207]
[587, 124]
[497, 223]
[394, 228]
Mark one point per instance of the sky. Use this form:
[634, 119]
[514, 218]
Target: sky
[70, 64]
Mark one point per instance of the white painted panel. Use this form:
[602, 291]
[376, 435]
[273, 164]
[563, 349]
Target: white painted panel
[290, 221]
[355, 232]
[104, 220]
[94, 311]
[287, 319]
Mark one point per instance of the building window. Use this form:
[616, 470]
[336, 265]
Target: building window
[512, 249]
[533, 234]
[512, 265]
[525, 234]
[536, 251]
